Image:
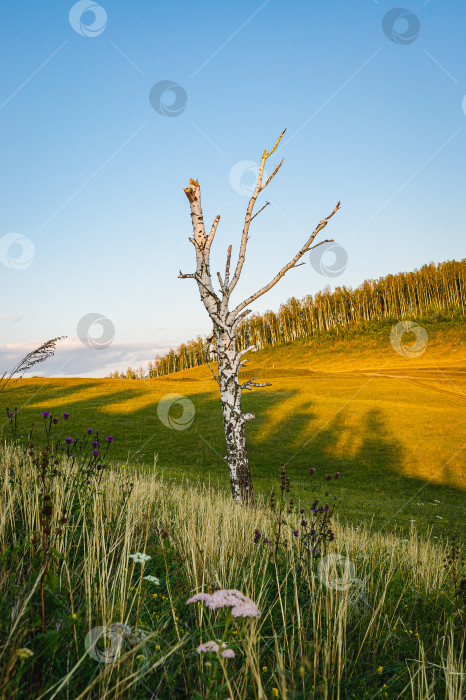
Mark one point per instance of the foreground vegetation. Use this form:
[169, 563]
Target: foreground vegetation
[367, 615]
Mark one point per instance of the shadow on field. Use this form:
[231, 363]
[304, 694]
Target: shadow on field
[368, 455]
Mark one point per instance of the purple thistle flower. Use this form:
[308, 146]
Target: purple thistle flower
[95, 452]
[89, 431]
[109, 439]
[11, 414]
[296, 533]
[257, 536]
[326, 507]
[95, 444]
[328, 477]
[301, 510]
[312, 470]
[45, 414]
[303, 523]
[68, 440]
[66, 415]
[337, 475]
[54, 421]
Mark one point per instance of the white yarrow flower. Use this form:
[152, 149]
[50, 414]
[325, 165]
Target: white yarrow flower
[152, 579]
[140, 557]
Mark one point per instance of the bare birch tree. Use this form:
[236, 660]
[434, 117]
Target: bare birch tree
[226, 322]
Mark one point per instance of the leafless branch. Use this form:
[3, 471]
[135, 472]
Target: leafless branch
[285, 269]
[227, 267]
[250, 383]
[211, 235]
[327, 240]
[221, 283]
[247, 221]
[261, 209]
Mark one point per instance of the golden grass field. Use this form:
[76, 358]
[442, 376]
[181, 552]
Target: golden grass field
[394, 427]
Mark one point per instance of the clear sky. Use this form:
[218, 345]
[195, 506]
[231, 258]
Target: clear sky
[94, 219]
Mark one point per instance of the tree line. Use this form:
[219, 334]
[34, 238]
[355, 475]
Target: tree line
[435, 287]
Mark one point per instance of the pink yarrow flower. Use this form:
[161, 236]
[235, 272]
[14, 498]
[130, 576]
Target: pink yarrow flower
[246, 610]
[240, 605]
[228, 654]
[199, 597]
[208, 646]
[213, 646]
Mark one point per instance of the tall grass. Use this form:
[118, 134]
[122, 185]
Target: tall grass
[378, 622]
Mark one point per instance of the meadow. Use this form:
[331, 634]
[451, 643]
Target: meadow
[393, 427]
[374, 615]
[348, 582]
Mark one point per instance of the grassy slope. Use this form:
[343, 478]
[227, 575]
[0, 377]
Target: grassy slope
[393, 427]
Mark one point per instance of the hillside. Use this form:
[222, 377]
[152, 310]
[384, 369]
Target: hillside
[437, 291]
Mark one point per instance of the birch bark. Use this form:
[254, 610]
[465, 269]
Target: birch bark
[226, 322]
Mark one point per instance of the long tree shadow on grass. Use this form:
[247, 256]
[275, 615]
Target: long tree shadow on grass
[372, 482]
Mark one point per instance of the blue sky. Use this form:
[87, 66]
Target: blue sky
[92, 175]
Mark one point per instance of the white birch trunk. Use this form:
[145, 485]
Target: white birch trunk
[225, 323]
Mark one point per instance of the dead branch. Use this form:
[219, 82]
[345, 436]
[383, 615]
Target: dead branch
[261, 209]
[285, 269]
[247, 221]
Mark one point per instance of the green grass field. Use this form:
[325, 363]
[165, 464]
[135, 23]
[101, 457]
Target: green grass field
[393, 427]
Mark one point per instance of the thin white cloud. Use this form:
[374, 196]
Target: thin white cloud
[73, 359]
